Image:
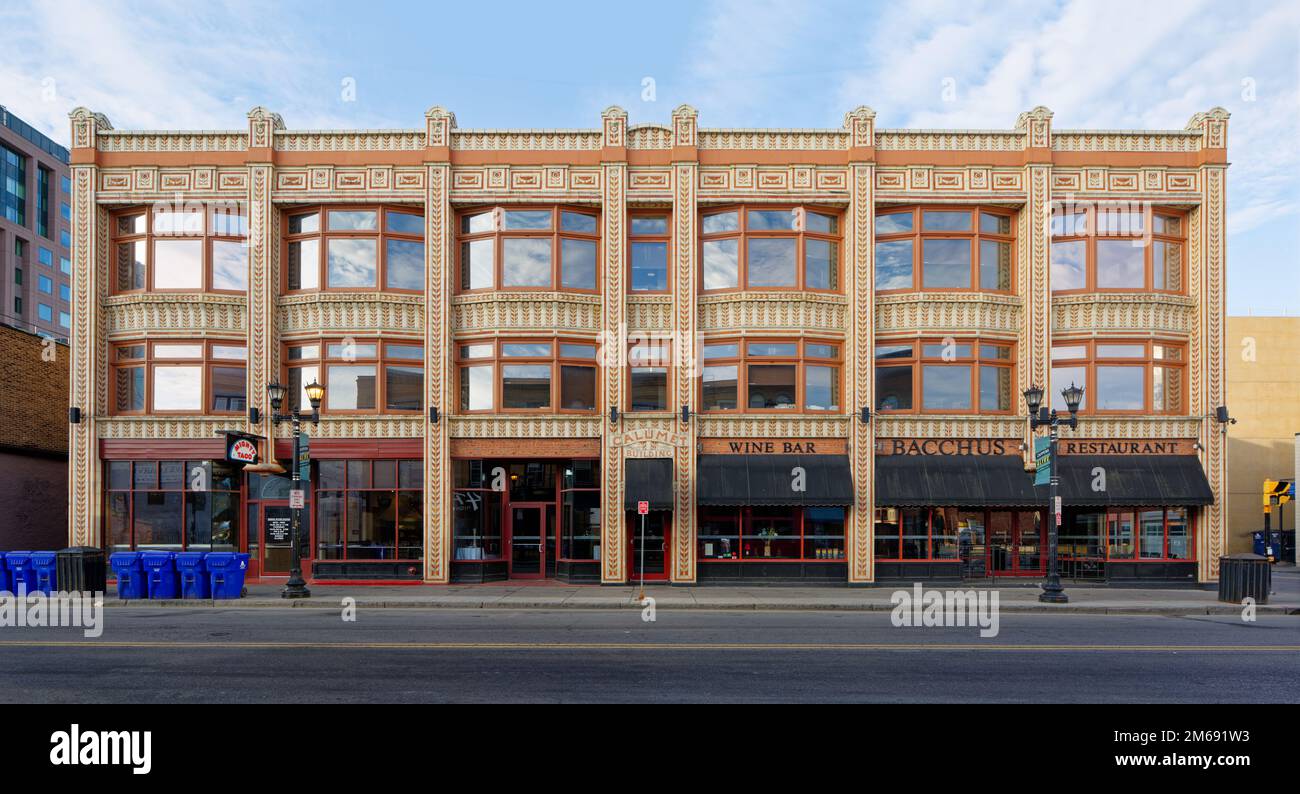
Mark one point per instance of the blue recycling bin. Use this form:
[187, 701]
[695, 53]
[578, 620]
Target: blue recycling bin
[1273, 544]
[193, 573]
[160, 574]
[21, 573]
[130, 574]
[45, 565]
[6, 586]
[227, 569]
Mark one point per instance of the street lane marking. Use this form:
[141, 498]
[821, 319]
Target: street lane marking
[634, 646]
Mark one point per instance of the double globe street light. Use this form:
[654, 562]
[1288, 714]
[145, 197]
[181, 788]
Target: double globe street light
[296, 587]
[1040, 416]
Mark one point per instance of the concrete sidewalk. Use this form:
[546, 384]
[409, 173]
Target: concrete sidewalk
[1012, 597]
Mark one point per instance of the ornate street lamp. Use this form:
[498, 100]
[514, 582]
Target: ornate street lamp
[296, 587]
[1039, 417]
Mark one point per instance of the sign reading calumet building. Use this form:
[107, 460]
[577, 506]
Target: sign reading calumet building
[804, 348]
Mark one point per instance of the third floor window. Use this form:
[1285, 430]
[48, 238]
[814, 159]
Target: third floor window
[1118, 248]
[180, 250]
[790, 248]
[528, 248]
[945, 248]
[354, 248]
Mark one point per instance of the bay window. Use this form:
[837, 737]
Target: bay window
[944, 248]
[753, 375]
[359, 375]
[178, 377]
[1123, 248]
[199, 248]
[1121, 376]
[527, 375]
[521, 248]
[354, 248]
[945, 376]
[750, 247]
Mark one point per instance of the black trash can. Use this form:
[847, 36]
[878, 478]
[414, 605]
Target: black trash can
[1244, 576]
[82, 569]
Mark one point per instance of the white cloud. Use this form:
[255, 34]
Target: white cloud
[166, 66]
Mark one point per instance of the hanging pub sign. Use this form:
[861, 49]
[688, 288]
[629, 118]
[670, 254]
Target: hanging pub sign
[241, 448]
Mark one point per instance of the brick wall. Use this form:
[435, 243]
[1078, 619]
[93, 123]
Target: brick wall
[33, 394]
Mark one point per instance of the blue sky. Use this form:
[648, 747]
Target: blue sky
[1113, 64]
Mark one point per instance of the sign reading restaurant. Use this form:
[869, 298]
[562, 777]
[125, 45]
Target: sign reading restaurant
[1011, 446]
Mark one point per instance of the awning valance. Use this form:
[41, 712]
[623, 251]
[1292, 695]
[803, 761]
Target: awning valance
[1001, 481]
[648, 480]
[1134, 481]
[739, 480]
[954, 481]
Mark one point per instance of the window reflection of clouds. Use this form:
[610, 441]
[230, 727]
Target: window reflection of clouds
[405, 265]
[946, 387]
[351, 263]
[894, 265]
[771, 263]
[721, 264]
[526, 263]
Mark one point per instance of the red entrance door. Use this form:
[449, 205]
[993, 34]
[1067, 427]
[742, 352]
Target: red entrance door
[1016, 544]
[656, 539]
[527, 541]
[275, 528]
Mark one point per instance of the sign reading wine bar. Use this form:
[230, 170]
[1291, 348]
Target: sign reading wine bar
[774, 446]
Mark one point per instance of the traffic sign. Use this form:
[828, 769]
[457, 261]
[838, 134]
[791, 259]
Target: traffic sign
[296, 499]
[642, 508]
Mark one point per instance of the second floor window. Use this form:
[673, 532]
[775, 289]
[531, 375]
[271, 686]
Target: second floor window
[1121, 248]
[528, 248]
[750, 375]
[1119, 376]
[180, 377]
[354, 248]
[945, 376]
[189, 249]
[944, 248]
[359, 376]
[527, 375]
[792, 248]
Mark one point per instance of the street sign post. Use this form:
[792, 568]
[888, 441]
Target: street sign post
[642, 508]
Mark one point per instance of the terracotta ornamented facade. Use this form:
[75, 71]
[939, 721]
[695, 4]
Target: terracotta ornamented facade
[853, 174]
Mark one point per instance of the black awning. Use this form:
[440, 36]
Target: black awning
[739, 480]
[648, 480]
[955, 481]
[1134, 481]
[1001, 481]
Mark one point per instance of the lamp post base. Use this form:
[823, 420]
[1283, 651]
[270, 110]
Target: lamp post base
[295, 590]
[1053, 597]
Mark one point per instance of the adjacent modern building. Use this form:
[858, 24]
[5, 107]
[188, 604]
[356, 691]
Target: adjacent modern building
[1263, 380]
[35, 230]
[803, 350]
[33, 441]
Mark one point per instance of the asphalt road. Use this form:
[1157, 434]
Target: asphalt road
[415, 655]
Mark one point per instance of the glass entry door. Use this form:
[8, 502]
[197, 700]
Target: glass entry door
[656, 536]
[527, 541]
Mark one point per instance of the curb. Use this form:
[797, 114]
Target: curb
[1077, 609]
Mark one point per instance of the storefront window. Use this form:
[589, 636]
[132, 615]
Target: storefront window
[172, 505]
[580, 516]
[370, 510]
[1137, 534]
[771, 533]
[476, 512]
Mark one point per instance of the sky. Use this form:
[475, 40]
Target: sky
[1107, 64]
